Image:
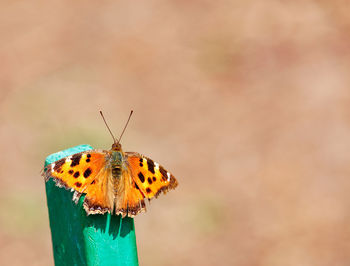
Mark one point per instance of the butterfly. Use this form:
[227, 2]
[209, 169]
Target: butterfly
[112, 180]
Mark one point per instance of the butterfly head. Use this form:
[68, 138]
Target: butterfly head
[116, 146]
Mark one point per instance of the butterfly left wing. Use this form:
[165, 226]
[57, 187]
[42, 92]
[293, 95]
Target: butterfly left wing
[150, 177]
[85, 172]
[77, 171]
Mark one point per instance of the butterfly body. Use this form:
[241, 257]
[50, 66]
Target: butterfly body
[112, 181]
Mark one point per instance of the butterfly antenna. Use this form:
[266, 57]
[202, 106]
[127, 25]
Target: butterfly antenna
[127, 122]
[108, 127]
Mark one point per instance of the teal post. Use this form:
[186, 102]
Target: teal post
[79, 239]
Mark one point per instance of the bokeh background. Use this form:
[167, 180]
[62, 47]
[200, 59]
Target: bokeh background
[247, 103]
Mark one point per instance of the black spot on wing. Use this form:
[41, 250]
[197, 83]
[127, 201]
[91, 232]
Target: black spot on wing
[141, 177]
[76, 174]
[58, 165]
[149, 181]
[163, 172]
[70, 172]
[75, 159]
[150, 165]
[154, 179]
[148, 190]
[87, 172]
[77, 184]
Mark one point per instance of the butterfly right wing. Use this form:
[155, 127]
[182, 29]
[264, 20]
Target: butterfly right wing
[150, 177]
[141, 178]
[129, 200]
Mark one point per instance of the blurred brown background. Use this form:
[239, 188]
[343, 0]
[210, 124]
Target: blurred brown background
[245, 102]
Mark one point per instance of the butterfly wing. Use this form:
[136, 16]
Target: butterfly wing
[99, 197]
[129, 199]
[84, 172]
[141, 178]
[149, 177]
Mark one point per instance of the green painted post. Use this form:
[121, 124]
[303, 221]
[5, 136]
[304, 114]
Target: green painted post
[79, 239]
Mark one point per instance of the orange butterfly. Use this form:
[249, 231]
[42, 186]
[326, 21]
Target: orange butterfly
[113, 181]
